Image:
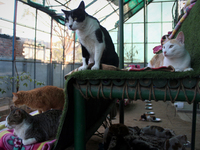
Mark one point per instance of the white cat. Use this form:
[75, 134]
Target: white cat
[174, 54]
[96, 43]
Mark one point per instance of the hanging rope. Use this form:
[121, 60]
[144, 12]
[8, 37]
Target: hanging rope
[154, 96]
[165, 97]
[173, 100]
[111, 87]
[135, 95]
[186, 97]
[102, 91]
[150, 91]
[123, 92]
[139, 91]
[127, 93]
[85, 96]
[88, 84]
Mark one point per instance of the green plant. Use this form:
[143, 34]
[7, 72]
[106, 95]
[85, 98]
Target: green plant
[26, 77]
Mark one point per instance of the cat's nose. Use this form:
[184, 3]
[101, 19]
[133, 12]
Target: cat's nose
[165, 52]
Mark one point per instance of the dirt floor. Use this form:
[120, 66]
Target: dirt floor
[179, 122]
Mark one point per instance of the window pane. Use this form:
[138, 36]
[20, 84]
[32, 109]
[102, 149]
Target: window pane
[6, 27]
[113, 35]
[138, 33]
[127, 33]
[150, 51]
[138, 17]
[167, 27]
[154, 12]
[166, 14]
[26, 15]
[133, 53]
[43, 22]
[7, 9]
[154, 32]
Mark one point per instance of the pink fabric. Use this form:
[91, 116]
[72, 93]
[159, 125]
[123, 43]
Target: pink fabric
[8, 141]
[134, 66]
[162, 68]
[157, 49]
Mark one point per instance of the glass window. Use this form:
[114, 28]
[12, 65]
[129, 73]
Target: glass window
[7, 9]
[154, 12]
[43, 22]
[138, 32]
[113, 35]
[127, 33]
[167, 27]
[150, 53]
[166, 11]
[133, 53]
[6, 27]
[26, 15]
[154, 32]
[138, 17]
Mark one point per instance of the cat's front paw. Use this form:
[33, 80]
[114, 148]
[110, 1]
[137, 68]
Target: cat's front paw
[95, 67]
[82, 68]
[188, 69]
[29, 141]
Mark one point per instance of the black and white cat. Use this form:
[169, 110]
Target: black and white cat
[96, 43]
[33, 129]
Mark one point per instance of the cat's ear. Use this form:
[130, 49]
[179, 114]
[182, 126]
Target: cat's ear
[65, 11]
[15, 96]
[12, 107]
[166, 37]
[17, 112]
[180, 37]
[82, 5]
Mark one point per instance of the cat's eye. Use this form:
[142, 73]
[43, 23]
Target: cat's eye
[171, 46]
[12, 121]
[75, 19]
[66, 20]
[164, 47]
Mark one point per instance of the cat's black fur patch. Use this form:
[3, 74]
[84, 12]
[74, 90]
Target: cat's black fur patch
[99, 35]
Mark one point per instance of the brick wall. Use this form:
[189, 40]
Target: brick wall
[6, 47]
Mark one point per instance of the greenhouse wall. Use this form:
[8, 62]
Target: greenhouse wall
[47, 50]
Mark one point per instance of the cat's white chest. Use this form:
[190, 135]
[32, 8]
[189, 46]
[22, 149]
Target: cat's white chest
[87, 36]
[89, 43]
[20, 129]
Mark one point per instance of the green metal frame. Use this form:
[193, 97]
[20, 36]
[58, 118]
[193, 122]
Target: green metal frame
[140, 89]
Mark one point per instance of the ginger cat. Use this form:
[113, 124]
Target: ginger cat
[174, 54]
[42, 99]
